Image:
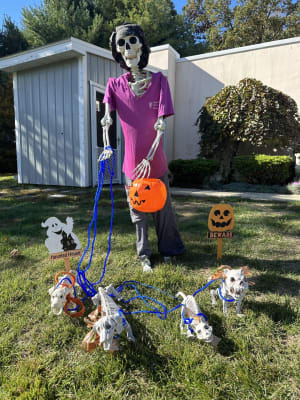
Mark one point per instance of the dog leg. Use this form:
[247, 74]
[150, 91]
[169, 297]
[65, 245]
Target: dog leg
[213, 297]
[238, 307]
[225, 312]
[182, 325]
[129, 332]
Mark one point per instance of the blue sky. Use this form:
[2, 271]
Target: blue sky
[13, 8]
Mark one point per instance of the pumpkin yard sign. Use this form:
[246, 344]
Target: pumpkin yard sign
[220, 224]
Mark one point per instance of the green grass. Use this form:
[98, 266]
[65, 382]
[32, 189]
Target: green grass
[41, 355]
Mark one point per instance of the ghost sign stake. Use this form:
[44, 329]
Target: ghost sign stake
[61, 242]
[220, 223]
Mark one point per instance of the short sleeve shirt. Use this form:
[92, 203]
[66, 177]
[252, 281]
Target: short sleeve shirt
[138, 116]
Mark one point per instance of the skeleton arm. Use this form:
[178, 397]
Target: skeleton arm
[106, 122]
[143, 169]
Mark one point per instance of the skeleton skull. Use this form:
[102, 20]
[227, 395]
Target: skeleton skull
[131, 49]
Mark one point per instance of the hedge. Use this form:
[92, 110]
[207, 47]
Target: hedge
[263, 169]
[8, 161]
[192, 172]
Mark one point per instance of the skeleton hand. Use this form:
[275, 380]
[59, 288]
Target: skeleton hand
[142, 170]
[106, 154]
[106, 122]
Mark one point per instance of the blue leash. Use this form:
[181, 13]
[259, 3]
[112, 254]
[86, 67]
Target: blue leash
[160, 314]
[222, 297]
[85, 284]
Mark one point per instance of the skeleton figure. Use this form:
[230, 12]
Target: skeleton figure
[112, 322]
[142, 100]
[233, 287]
[130, 50]
[198, 324]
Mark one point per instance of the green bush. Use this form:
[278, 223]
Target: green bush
[8, 161]
[263, 169]
[249, 112]
[192, 172]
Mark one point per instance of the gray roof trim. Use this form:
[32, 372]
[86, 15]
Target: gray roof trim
[164, 47]
[260, 46]
[40, 56]
[53, 52]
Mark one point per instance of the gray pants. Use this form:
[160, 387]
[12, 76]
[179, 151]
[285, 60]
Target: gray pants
[169, 240]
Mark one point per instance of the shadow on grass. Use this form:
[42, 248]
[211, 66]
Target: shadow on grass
[143, 355]
[281, 266]
[277, 312]
[276, 283]
[226, 346]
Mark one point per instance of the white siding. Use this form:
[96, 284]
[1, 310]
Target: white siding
[48, 126]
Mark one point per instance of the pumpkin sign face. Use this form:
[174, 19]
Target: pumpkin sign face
[147, 195]
[221, 218]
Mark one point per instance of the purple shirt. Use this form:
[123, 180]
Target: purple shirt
[138, 116]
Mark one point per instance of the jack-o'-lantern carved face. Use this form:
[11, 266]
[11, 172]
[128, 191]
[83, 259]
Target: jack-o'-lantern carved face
[221, 218]
[147, 195]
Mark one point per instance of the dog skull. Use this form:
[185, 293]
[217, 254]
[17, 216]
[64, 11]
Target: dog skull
[105, 328]
[204, 331]
[235, 282]
[58, 298]
[131, 49]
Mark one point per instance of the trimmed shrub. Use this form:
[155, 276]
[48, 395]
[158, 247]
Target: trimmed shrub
[192, 172]
[248, 112]
[8, 161]
[263, 169]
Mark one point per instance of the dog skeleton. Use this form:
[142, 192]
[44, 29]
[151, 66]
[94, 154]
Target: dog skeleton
[198, 323]
[111, 322]
[233, 287]
[59, 295]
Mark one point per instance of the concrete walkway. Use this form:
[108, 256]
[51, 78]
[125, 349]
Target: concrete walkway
[243, 195]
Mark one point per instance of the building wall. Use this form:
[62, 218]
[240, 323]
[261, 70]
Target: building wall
[47, 124]
[164, 58]
[276, 64]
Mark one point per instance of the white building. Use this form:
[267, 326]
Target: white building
[58, 92]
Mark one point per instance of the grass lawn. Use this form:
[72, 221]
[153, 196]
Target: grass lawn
[41, 356]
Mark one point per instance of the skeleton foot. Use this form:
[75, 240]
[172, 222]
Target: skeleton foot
[146, 264]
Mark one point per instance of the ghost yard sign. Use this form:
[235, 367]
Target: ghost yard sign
[220, 224]
[61, 241]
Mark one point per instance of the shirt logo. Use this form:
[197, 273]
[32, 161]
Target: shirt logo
[154, 105]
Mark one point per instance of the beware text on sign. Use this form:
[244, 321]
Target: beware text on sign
[219, 235]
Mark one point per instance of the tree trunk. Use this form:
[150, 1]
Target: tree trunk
[229, 151]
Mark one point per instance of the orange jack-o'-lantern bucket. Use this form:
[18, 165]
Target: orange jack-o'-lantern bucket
[147, 194]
